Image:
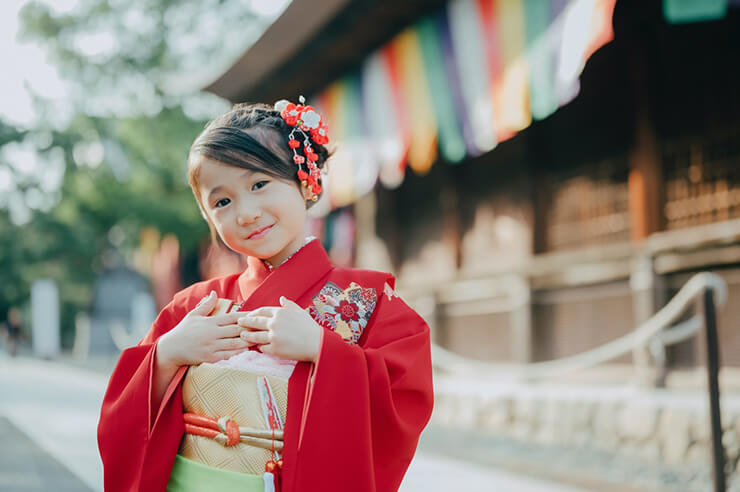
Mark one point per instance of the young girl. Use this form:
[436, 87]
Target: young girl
[200, 402]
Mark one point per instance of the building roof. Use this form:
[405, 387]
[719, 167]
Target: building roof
[283, 63]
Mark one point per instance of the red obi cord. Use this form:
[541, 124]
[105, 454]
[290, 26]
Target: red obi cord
[201, 425]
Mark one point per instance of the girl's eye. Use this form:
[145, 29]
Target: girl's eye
[260, 182]
[221, 203]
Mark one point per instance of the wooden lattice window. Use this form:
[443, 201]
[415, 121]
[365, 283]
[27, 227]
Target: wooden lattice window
[702, 179]
[589, 205]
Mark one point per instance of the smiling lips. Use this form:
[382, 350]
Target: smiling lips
[260, 232]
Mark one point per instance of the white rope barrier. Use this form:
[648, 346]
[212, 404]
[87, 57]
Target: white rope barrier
[659, 324]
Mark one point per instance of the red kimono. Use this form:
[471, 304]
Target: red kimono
[354, 426]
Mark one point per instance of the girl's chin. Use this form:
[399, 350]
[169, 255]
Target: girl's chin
[261, 251]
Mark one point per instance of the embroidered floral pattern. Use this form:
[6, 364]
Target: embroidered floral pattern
[389, 292]
[346, 312]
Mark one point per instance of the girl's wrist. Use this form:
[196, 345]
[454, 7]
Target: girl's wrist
[317, 350]
[163, 358]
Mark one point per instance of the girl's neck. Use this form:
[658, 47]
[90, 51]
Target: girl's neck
[272, 267]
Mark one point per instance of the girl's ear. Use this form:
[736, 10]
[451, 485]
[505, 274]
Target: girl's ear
[307, 194]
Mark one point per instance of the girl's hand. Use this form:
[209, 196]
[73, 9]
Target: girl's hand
[287, 331]
[201, 338]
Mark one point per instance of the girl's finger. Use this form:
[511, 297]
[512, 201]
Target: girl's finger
[266, 348]
[229, 331]
[230, 344]
[206, 304]
[257, 337]
[225, 354]
[287, 303]
[258, 323]
[268, 311]
[227, 318]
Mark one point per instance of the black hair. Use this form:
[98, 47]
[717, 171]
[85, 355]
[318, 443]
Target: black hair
[251, 136]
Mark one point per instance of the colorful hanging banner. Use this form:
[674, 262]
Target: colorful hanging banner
[681, 11]
[451, 142]
[469, 51]
[452, 71]
[584, 27]
[384, 130]
[515, 115]
[338, 181]
[542, 101]
[494, 60]
[418, 102]
[460, 80]
[364, 163]
[393, 62]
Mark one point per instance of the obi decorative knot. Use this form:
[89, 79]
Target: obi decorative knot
[228, 433]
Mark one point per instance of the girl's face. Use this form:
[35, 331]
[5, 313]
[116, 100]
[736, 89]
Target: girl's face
[254, 213]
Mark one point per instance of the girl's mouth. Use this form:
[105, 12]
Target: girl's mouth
[260, 233]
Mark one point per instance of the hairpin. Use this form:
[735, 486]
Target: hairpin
[307, 123]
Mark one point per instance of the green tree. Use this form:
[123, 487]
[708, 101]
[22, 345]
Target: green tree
[95, 179]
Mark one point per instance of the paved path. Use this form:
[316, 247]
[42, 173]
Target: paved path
[25, 467]
[56, 406]
[48, 417]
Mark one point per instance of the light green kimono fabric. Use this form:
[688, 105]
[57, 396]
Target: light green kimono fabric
[191, 476]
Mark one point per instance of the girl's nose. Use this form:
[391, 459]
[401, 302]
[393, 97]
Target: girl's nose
[248, 216]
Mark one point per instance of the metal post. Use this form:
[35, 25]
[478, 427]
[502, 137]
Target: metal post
[718, 450]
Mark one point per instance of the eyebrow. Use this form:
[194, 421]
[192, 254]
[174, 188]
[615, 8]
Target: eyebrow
[218, 188]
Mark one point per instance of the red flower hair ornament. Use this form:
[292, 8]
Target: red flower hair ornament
[307, 123]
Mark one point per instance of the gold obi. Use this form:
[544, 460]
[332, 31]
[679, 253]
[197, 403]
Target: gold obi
[216, 392]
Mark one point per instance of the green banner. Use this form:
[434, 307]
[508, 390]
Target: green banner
[683, 11]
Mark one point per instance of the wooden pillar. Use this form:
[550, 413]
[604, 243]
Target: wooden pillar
[646, 214]
[541, 202]
[450, 205]
[646, 201]
[521, 320]
[645, 179]
[371, 251]
[647, 289]
[538, 152]
[639, 47]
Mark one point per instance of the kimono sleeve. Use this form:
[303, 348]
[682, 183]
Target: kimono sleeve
[126, 413]
[369, 403]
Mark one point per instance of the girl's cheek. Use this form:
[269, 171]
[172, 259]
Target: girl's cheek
[218, 220]
[218, 214]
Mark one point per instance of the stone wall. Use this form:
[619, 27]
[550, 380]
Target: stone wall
[660, 427]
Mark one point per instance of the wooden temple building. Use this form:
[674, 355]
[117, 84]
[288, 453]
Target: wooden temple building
[576, 224]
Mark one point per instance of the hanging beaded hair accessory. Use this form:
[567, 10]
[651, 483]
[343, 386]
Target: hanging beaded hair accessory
[308, 126]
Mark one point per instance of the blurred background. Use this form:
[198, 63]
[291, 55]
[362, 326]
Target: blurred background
[545, 178]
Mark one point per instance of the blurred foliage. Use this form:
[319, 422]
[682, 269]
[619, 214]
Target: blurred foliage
[120, 155]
